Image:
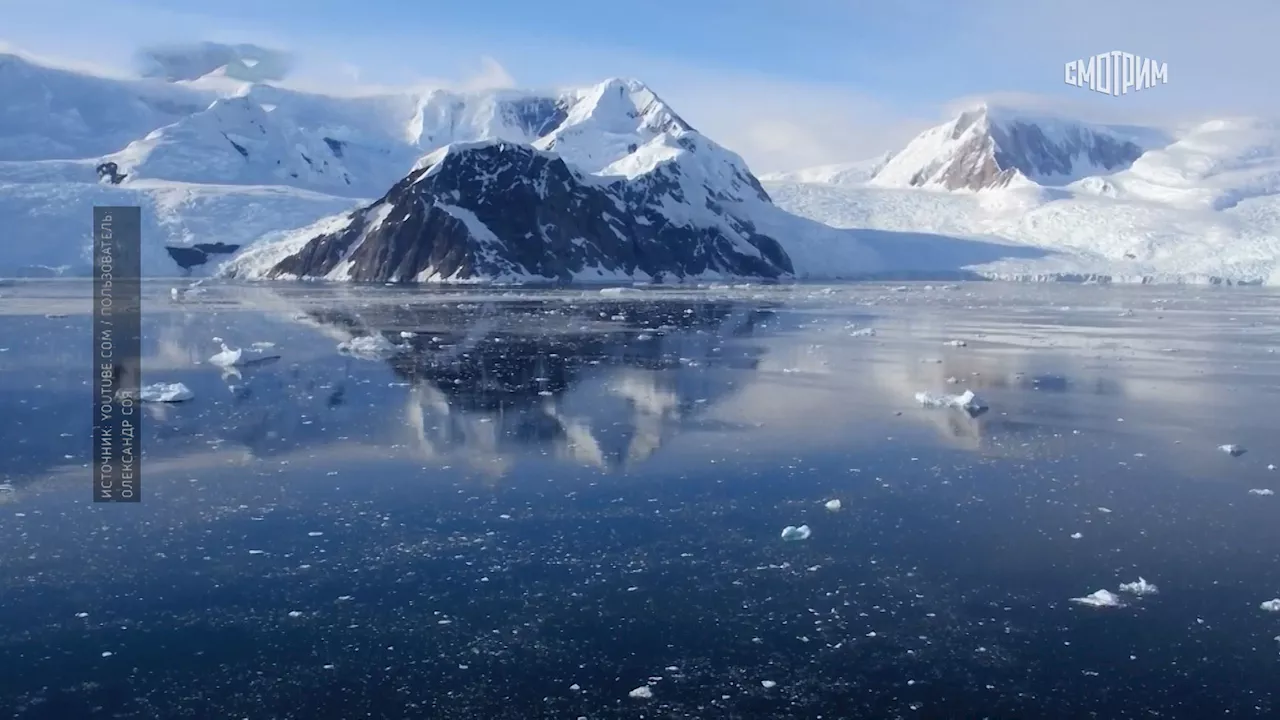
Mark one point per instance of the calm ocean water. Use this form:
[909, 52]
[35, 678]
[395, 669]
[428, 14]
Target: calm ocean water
[542, 501]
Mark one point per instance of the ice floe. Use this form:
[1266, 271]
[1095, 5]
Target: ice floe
[369, 347]
[1232, 450]
[644, 692]
[1139, 587]
[833, 505]
[166, 393]
[966, 401]
[1101, 598]
[791, 532]
[1262, 491]
[229, 358]
[1271, 605]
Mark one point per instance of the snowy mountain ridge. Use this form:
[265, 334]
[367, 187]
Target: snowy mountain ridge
[991, 146]
[1200, 206]
[995, 192]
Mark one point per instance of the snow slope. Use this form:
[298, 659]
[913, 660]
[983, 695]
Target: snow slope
[1204, 207]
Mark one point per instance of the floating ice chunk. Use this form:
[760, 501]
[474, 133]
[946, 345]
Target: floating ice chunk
[406, 334]
[957, 343]
[833, 505]
[369, 347]
[227, 357]
[1101, 598]
[262, 345]
[791, 532]
[966, 401]
[768, 684]
[1106, 511]
[863, 332]
[1262, 491]
[1232, 450]
[1139, 587]
[166, 393]
[618, 291]
[1271, 467]
[644, 692]
[1076, 536]
[1271, 605]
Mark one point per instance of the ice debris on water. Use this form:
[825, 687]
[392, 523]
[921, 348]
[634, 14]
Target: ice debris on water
[1139, 587]
[791, 532]
[957, 343]
[166, 393]
[644, 692]
[1101, 598]
[862, 332]
[369, 347]
[1271, 605]
[768, 684]
[833, 505]
[227, 357]
[966, 401]
[1262, 491]
[1232, 450]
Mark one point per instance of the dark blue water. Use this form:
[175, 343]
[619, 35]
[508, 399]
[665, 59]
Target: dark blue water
[544, 501]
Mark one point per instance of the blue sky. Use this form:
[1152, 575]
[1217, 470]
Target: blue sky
[785, 82]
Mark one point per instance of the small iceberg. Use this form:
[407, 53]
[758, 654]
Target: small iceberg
[957, 343]
[1139, 587]
[166, 393]
[644, 692]
[792, 533]
[1232, 450]
[966, 401]
[1101, 598]
[1262, 491]
[833, 505]
[1271, 605]
[369, 347]
[229, 358]
[863, 332]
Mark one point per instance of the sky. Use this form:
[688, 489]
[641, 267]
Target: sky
[786, 83]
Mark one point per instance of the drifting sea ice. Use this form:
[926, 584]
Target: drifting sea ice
[1101, 598]
[1262, 491]
[1271, 605]
[833, 505]
[228, 358]
[369, 347]
[166, 393]
[791, 532]
[644, 692]
[1139, 587]
[964, 401]
[1232, 450]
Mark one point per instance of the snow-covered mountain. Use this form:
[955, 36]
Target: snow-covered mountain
[993, 147]
[601, 183]
[1201, 204]
[493, 210]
